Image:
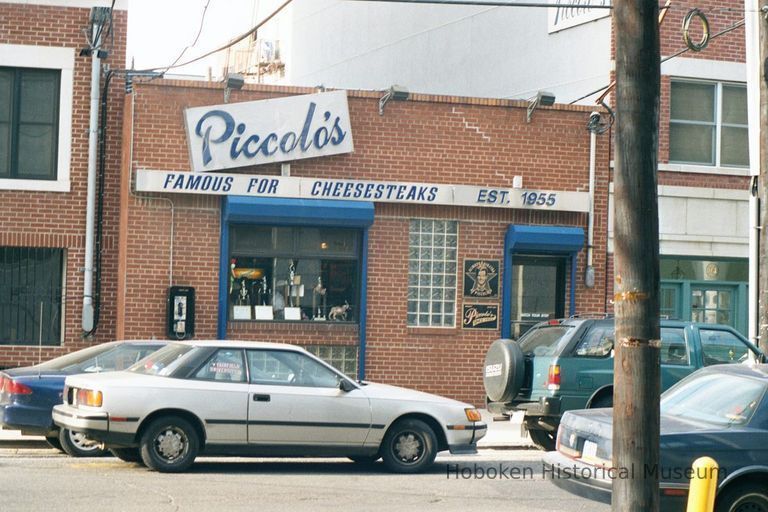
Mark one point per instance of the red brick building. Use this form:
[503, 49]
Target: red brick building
[452, 143]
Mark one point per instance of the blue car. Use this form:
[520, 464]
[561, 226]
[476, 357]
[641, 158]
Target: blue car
[720, 411]
[27, 395]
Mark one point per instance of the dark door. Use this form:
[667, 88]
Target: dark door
[538, 291]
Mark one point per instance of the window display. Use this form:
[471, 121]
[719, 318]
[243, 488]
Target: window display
[294, 273]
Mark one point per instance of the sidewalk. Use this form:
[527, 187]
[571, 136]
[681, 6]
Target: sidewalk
[502, 435]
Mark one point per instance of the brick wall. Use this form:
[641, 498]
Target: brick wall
[57, 219]
[429, 139]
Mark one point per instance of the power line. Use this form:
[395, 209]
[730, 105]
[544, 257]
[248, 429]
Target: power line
[199, 31]
[224, 47]
[495, 3]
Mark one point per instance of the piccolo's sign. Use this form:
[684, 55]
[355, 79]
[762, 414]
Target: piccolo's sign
[356, 190]
[268, 131]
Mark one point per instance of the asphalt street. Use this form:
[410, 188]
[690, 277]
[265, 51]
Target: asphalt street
[36, 478]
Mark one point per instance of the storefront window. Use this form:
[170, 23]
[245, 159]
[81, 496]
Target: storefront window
[294, 274]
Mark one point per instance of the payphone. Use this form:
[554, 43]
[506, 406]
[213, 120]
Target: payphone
[181, 312]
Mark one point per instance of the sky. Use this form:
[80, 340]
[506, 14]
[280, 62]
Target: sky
[158, 31]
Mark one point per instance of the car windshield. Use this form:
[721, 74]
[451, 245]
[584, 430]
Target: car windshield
[543, 341]
[164, 361]
[100, 358]
[715, 398]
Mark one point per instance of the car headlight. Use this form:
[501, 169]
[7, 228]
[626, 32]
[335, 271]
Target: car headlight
[89, 397]
[472, 414]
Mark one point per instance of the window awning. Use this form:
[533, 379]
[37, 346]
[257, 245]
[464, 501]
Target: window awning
[544, 239]
[293, 212]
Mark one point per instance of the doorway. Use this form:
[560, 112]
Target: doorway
[538, 291]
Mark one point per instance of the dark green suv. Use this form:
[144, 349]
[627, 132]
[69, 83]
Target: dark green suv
[559, 365]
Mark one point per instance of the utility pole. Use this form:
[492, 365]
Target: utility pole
[636, 256]
[762, 162]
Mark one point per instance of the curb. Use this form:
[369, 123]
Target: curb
[24, 443]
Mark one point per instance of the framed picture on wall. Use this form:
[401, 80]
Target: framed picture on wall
[481, 279]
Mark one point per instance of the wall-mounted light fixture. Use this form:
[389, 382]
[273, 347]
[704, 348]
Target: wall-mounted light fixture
[232, 81]
[542, 98]
[396, 92]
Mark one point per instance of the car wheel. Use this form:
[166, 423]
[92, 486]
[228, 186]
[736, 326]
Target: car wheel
[127, 454]
[743, 497]
[76, 444]
[169, 445]
[543, 439]
[410, 446]
[53, 442]
[504, 370]
[364, 460]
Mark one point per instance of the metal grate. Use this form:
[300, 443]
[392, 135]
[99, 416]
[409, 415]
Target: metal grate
[30, 295]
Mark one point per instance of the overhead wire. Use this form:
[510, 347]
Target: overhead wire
[199, 31]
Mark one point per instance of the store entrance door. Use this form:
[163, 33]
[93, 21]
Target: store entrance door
[538, 291]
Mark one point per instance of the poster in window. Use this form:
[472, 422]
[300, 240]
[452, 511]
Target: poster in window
[480, 316]
[481, 279]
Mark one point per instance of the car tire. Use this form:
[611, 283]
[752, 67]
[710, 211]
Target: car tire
[53, 442]
[127, 454]
[743, 496]
[410, 446]
[364, 460]
[543, 439]
[504, 370]
[76, 444]
[169, 445]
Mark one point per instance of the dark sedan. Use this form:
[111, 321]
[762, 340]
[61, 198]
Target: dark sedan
[720, 411]
[27, 395]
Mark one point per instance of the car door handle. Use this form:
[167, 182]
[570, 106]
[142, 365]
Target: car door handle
[261, 398]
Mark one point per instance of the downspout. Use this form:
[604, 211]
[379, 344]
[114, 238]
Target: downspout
[589, 271]
[87, 320]
[363, 310]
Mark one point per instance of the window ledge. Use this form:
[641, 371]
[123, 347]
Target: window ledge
[705, 169]
[265, 326]
[35, 185]
[433, 331]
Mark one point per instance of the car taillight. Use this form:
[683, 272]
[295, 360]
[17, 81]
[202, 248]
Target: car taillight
[89, 397]
[13, 387]
[553, 377]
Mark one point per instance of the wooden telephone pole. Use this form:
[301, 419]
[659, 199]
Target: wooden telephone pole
[762, 318]
[636, 253]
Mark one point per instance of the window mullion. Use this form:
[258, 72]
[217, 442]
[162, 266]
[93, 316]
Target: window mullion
[718, 121]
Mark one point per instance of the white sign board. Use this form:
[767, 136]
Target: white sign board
[358, 190]
[571, 13]
[268, 131]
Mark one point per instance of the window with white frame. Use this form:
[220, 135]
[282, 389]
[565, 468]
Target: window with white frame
[432, 262]
[29, 123]
[36, 92]
[708, 124]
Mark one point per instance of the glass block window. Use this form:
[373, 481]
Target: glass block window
[341, 357]
[31, 295]
[432, 269]
[708, 124]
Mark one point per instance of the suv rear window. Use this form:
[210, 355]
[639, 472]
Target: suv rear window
[544, 340]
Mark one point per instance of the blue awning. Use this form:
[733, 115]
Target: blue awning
[292, 212]
[544, 239]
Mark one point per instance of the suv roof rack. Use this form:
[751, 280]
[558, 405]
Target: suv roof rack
[598, 315]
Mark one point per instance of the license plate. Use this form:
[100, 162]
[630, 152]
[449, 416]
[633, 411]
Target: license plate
[589, 450]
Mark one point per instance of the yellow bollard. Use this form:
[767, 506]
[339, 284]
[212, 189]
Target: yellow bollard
[701, 495]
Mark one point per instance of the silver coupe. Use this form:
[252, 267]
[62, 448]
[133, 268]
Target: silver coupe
[260, 399]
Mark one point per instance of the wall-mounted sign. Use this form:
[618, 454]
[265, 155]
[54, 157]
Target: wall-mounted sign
[355, 190]
[571, 13]
[481, 279]
[268, 131]
[480, 316]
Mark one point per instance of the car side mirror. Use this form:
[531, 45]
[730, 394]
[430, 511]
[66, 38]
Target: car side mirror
[345, 385]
